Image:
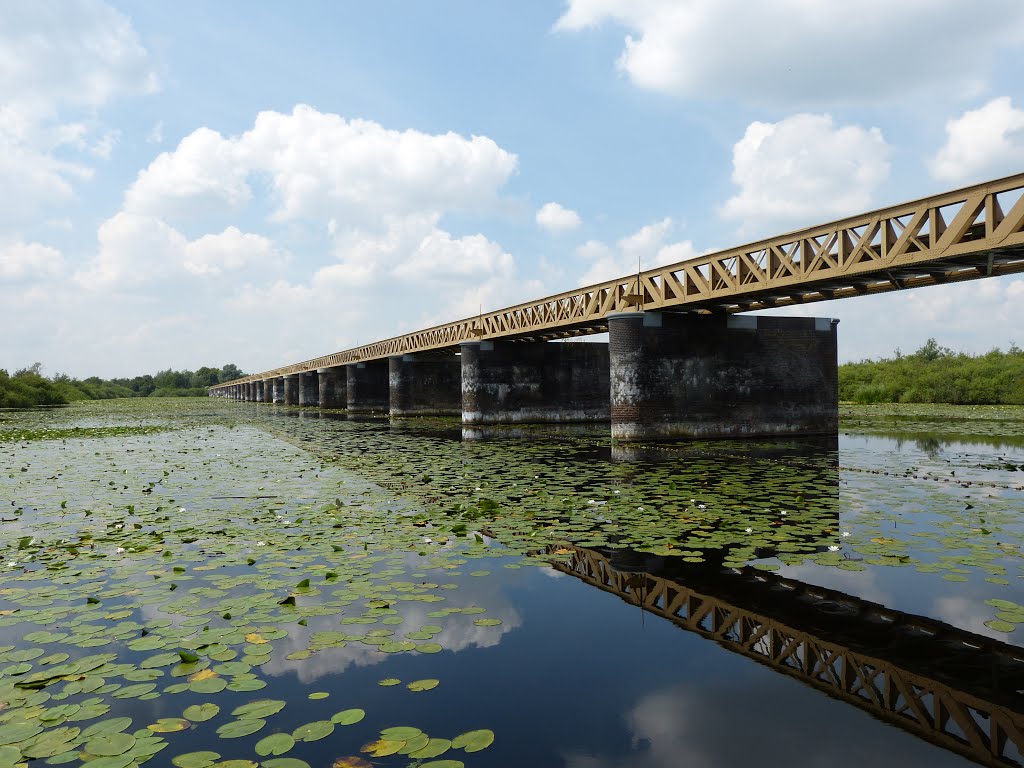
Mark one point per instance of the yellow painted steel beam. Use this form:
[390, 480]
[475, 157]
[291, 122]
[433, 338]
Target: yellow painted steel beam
[966, 234]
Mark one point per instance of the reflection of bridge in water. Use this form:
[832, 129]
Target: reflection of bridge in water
[953, 688]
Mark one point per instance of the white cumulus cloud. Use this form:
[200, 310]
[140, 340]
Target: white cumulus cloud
[135, 250]
[203, 172]
[554, 218]
[323, 166]
[374, 199]
[364, 206]
[982, 143]
[230, 250]
[647, 247]
[439, 256]
[78, 52]
[21, 261]
[59, 63]
[800, 52]
[802, 170]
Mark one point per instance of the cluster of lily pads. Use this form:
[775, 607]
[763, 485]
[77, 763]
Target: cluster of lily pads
[728, 503]
[156, 566]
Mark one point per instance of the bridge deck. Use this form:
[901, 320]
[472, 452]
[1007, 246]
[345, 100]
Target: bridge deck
[966, 234]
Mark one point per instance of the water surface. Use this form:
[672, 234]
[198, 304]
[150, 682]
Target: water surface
[808, 602]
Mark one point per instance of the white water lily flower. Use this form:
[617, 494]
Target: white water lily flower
[616, 491]
[782, 512]
[749, 530]
[181, 510]
[120, 550]
[11, 563]
[119, 526]
[833, 548]
[261, 543]
[846, 533]
[702, 506]
[640, 508]
[427, 540]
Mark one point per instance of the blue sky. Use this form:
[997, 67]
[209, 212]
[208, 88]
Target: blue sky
[193, 183]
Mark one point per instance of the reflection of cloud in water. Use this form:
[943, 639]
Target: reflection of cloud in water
[551, 573]
[862, 584]
[458, 633]
[966, 613]
[330, 661]
[728, 725]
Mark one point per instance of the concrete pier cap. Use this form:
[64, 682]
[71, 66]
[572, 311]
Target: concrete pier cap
[709, 376]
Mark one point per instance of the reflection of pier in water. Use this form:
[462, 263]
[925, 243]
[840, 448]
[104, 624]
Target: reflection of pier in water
[951, 687]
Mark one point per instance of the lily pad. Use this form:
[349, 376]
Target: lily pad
[200, 713]
[313, 731]
[275, 744]
[110, 744]
[383, 747]
[1000, 626]
[474, 741]
[238, 728]
[348, 717]
[259, 709]
[169, 725]
[196, 759]
[423, 685]
[434, 748]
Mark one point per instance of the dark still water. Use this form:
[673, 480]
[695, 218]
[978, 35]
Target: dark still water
[240, 585]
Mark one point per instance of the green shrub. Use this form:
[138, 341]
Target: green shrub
[936, 374]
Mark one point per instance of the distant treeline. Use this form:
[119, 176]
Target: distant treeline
[937, 374]
[29, 387]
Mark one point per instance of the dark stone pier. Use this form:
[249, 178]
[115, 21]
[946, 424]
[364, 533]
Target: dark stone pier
[718, 376]
[291, 390]
[309, 388]
[425, 385]
[534, 382]
[367, 387]
[333, 384]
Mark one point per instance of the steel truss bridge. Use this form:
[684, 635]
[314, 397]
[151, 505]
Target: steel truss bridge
[950, 687]
[966, 234]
